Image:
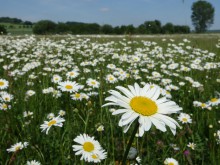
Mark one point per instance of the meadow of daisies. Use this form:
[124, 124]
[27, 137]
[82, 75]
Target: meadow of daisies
[110, 100]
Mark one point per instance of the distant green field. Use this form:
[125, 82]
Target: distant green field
[17, 29]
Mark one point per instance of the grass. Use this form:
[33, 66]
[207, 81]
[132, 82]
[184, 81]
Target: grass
[17, 29]
[91, 56]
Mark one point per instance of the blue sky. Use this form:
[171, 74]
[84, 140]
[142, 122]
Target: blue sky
[114, 12]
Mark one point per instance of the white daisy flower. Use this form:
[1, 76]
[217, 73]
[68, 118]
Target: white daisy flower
[111, 78]
[6, 97]
[4, 106]
[30, 93]
[33, 162]
[69, 86]
[184, 118]
[89, 148]
[56, 78]
[144, 104]
[50, 116]
[3, 84]
[92, 83]
[99, 156]
[191, 145]
[57, 121]
[72, 74]
[77, 96]
[62, 113]
[27, 114]
[171, 161]
[214, 101]
[18, 146]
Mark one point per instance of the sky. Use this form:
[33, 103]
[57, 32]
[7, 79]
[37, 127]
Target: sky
[113, 12]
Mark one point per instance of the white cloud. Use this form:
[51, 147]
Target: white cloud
[104, 9]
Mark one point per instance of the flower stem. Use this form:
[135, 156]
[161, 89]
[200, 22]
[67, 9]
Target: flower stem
[130, 143]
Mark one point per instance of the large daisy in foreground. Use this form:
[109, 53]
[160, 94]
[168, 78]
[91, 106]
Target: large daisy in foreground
[145, 105]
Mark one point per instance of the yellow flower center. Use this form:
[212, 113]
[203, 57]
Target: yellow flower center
[93, 82]
[171, 163]
[143, 105]
[4, 106]
[69, 87]
[184, 119]
[214, 100]
[94, 156]
[151, 86]
[111, 78]
[71, 73]
[77, 95]
[52, 122]
[2, 83]
[17, 148]
[6, 99]
[203, 105]
[88, 146]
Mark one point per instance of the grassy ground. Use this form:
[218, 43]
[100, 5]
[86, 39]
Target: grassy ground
[29, 63]
[17, 29]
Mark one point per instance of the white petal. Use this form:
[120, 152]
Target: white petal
[119, 96]
[126, 127]
[150, 93]
[159, 125]
[132, 90]
[147, 124]
[130, 119]
[127, 115]
[161, 100]
[119, 111]
[141, 131]
[137, 89]
[156, 94]
[125, 91]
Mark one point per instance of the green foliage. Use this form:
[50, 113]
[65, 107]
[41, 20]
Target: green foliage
[16, 26]
[202, 15]
[10, 20]
[168, 28]
[153, 27]
[2, 30]
[107, 29]
[44, 27]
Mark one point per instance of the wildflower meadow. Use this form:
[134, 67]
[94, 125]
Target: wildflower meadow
[110, 100]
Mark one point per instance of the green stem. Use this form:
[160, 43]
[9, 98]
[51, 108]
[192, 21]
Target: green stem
[130, 143]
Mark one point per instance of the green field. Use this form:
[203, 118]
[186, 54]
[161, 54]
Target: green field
[36, 82]
[17, 29]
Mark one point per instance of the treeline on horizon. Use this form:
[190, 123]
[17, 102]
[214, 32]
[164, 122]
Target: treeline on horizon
[49, 27]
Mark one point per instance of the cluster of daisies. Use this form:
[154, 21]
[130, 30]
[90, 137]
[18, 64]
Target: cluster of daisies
[17, 147]
[213, 102]
[80, 67]
[5, 97]
[89, 149]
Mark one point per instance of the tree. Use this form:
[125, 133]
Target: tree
[202, 15]
[168, 28]
[62, 28]
[2, 30]
[153, 27]
[130, 29]
[44, 27]
[107, 29]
